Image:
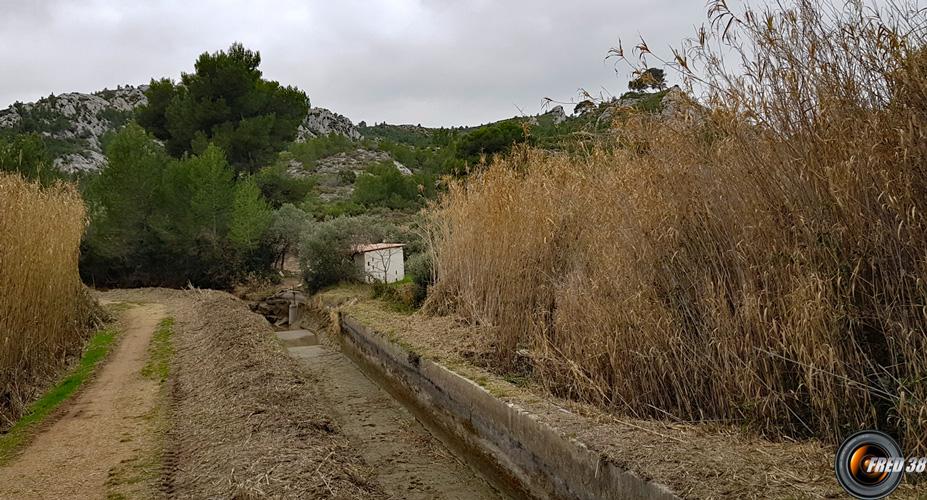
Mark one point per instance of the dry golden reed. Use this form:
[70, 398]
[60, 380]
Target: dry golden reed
[760, 261]
[43, 305]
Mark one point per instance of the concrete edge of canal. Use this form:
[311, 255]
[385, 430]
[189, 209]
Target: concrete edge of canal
[532, 457]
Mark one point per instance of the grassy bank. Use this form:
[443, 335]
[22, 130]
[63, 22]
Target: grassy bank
[160, 352]
[758, 260]
[96, 350]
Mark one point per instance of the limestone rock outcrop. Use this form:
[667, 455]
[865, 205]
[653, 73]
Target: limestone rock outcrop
[77, 121]
[320, 121]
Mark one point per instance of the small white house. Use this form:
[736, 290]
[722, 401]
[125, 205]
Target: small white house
[380, 262]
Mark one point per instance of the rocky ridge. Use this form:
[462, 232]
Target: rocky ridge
[320, 121]
[74, 123]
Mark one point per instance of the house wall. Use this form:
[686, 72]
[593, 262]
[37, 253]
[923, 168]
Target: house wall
[385, 265]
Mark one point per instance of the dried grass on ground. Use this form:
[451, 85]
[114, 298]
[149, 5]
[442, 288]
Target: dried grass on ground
[44, 308]
[246, 421]
[762, 263]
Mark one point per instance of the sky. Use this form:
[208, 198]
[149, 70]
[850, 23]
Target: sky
[433, 62]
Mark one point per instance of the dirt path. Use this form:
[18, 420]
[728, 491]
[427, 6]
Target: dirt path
[105, 427]
[245, 419]
[237, 418]
[409, 461]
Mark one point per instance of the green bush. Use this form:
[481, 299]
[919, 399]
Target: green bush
[41, 118]
[384, 185]
[427, 159]
[347, 176]
[325, 252]
[420, 269]
[321, 210]
[287, 227]
[491, 139]
[316, 148]
[279, 187]
[404, 296]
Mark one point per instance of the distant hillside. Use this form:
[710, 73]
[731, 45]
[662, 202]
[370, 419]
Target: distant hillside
[398, 165]
[74, 124]
[549, 129]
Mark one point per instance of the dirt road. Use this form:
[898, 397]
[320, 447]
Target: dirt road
[238, 417]
[106, 429]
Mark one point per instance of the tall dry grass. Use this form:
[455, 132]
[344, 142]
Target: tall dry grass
[43, 305]
[760, 261]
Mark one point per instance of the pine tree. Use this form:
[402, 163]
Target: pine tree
[227, 102]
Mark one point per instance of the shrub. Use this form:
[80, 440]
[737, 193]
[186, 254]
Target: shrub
[287, 227]
[325, 251]
[279, 187]
[419, 269]
[347, 177]
[758, 262]
[405, 296]
[338, 208]
[491, 139]
[385, 186]
[316, 148]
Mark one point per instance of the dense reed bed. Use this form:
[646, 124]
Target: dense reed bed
[44, 308]
[759, 259]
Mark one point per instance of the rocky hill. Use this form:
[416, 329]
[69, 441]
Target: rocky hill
[320, 121]
[335, 174]
[74, 123]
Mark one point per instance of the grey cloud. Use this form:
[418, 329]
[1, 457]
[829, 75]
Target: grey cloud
[435, 62]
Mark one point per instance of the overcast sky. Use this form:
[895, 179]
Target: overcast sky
[434, 62]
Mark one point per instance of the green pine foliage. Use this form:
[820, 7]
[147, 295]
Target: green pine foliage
[653, 78]
[225, 101]
[121, 200]
[497, 138]
[251, 217]
[156, 220]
